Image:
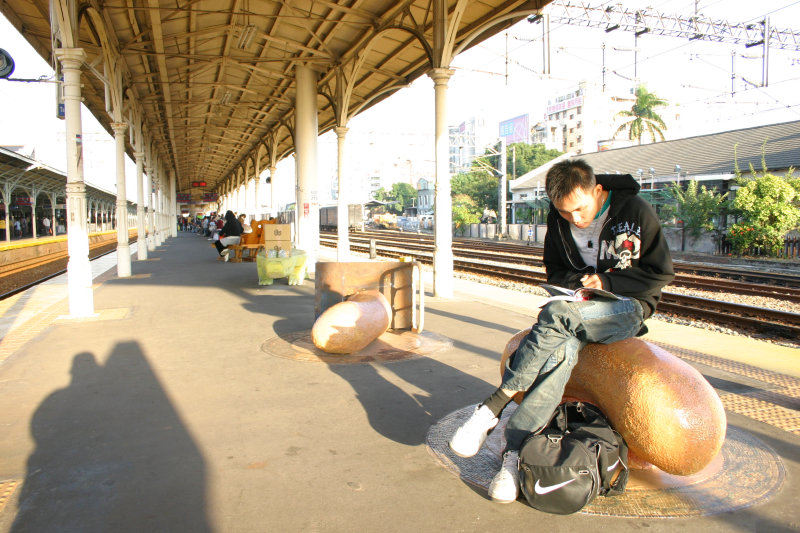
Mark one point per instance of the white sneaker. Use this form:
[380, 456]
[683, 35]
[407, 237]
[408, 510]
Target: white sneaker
[226, 256]
[226, 251]
[469, 438]
[505, 484]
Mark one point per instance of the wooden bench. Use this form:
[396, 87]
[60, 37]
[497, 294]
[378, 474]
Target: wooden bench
[237, 250]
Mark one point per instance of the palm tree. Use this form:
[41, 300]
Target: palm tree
[641, 118]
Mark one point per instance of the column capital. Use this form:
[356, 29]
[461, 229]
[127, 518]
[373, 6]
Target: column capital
[70, 55]
[441, 75]
[272, 169]
[341, 131]
[139, 155]
[119, 127]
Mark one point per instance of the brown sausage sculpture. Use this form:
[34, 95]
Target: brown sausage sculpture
[668, 414]
[350, 326]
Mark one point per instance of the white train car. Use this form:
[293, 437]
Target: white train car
[328, 217]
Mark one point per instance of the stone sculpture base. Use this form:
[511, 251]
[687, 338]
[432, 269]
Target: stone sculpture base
[745, 472]
[666, 411]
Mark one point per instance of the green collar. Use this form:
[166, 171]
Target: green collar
[605, 206]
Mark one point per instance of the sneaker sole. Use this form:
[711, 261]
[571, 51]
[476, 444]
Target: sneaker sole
[498, 500]
[461, 454]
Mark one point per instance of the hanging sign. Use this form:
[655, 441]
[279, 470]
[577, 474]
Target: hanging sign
[23, 201]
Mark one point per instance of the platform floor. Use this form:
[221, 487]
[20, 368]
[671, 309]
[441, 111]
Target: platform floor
[163, 413]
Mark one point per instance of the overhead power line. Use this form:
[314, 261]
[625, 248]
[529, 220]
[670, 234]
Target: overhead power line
[696, 27]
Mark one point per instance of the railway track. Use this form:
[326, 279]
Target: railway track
[523, 264]
[20, 278]
[699, 277]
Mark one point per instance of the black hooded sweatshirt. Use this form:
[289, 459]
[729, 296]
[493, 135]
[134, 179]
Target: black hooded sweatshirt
[232, 227]
[633, 258]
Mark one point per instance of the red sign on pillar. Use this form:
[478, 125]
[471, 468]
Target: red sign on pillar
[305, 209]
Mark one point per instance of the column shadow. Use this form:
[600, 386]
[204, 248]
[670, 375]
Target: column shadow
[112, 454]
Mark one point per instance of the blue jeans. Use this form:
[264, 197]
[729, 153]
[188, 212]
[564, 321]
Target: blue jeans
[545, 358]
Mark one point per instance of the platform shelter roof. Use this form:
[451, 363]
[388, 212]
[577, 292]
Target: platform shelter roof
[776, 145]
[214, 81]
[21, 172]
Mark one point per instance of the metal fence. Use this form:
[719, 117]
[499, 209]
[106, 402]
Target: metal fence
[791, 248]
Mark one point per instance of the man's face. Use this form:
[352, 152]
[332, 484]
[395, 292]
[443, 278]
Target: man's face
[581, 206]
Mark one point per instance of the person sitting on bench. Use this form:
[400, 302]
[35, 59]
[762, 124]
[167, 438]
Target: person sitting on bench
[231, 233]
[601, 234]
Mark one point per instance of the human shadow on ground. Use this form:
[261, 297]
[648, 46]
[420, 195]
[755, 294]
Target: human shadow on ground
[112, 454]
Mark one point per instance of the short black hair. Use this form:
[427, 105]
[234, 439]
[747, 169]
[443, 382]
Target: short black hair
[564, 177]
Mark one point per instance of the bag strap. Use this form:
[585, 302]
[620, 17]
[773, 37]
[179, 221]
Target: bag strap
[618, 487]
[557, 420]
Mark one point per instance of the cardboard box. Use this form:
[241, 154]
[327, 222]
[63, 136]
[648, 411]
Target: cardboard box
[278, 236]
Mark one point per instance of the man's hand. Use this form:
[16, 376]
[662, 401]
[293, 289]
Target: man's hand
[592, 280]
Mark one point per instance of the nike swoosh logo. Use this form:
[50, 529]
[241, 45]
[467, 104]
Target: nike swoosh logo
[612, 467]
[538, 489]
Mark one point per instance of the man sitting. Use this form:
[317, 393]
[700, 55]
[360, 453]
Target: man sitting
[600, 234]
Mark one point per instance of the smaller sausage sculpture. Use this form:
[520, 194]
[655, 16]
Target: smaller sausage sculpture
[668, 414]
[350, 326]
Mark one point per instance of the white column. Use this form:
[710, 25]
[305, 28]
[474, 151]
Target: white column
[79, 273]
[306, 132]
[245, 204]
[343, 220]
[237, 208]
[273, 208]
[257, 200]
[158, 222]
[151, 243]
[443, 220]
[141, 224]
[123, 248]
[173, 205]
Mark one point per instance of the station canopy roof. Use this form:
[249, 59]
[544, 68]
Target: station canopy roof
[215, 79]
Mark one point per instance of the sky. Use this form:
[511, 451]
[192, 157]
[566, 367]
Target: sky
[394, 139]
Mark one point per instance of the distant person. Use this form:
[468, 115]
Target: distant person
[600, 234]
[231, 233]
[17, 228]
[46, 225]
[489, 216]
[245, 226]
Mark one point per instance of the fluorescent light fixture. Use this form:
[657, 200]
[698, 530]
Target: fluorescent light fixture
[612, 28]
[246, 37]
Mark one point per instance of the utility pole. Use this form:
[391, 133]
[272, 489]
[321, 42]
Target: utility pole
[513, 162]
[501, 198]
[765, 55]
[506, 59]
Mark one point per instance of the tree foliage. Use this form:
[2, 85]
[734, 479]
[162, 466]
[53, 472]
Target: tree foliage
[465, 212]
[768, 208]
[642, 117]
[477, 185]
[401, 193]
[482, 184]
[528, 157]
[696, 207]
[521, 158]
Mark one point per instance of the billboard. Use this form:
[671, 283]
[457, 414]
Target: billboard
[516, 130]
[565, 103]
